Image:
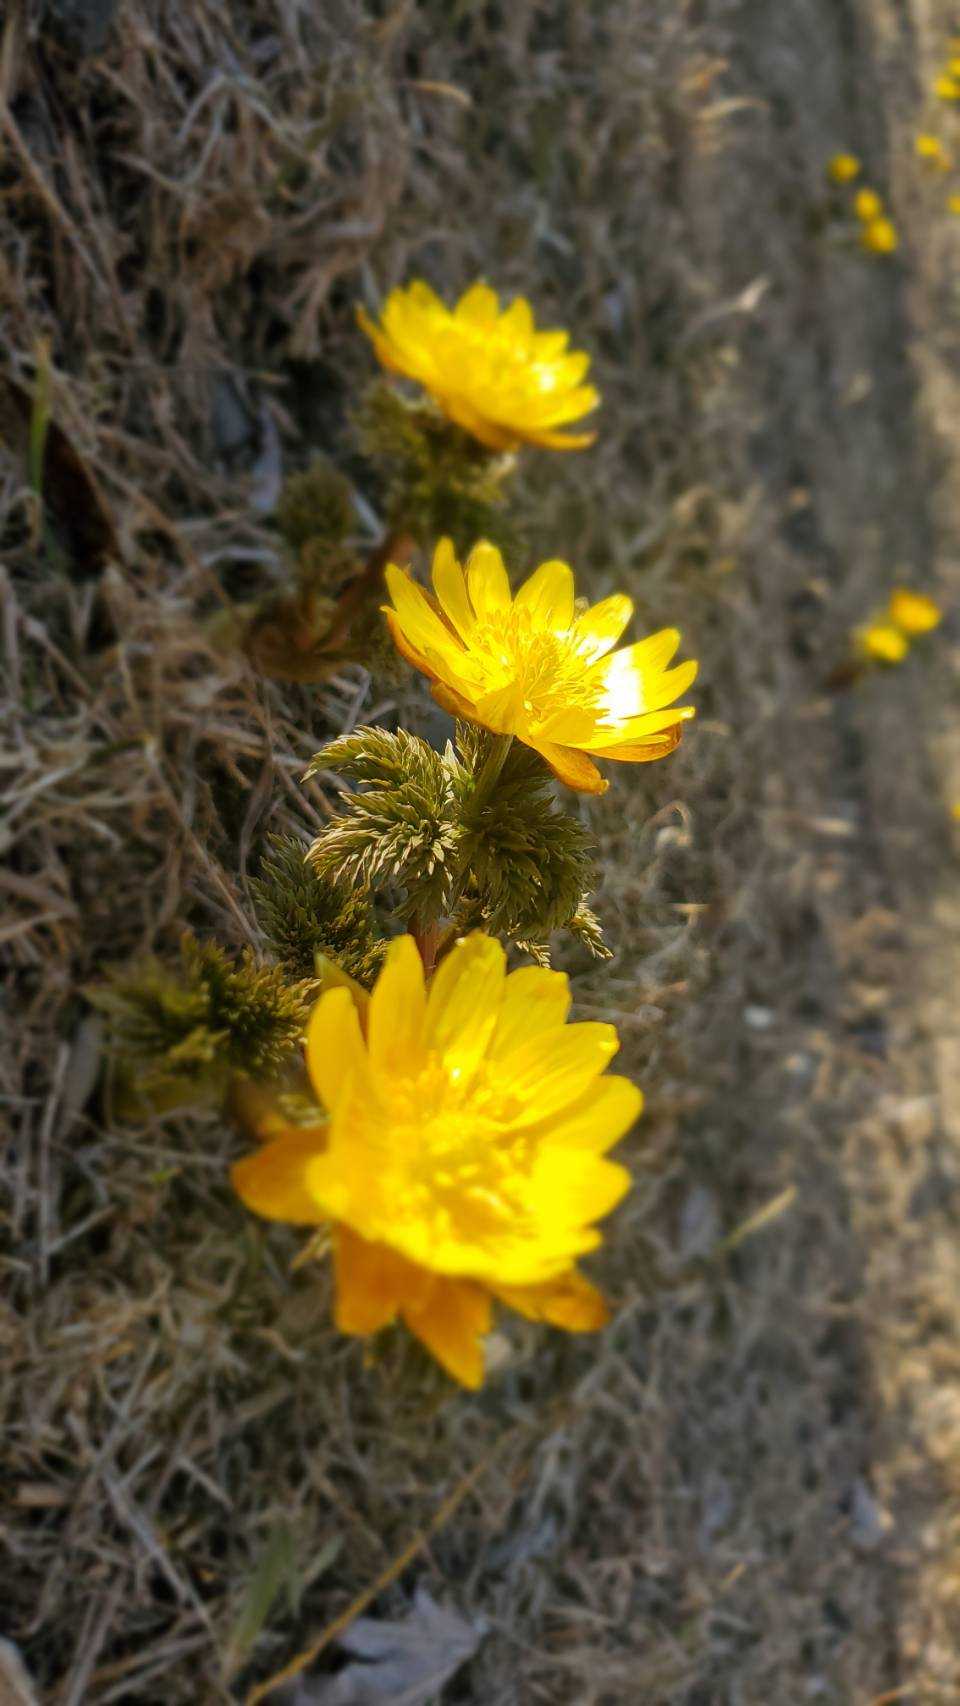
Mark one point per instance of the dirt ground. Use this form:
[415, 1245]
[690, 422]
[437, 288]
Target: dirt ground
[748, 1492]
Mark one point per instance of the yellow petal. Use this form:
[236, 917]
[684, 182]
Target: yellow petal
[273, 1181]
[644, 751]
[534, 1000]
[451, 589]
[885, 643]
[418, 620]
[548, 596]
[554, 1068]
[487, 581]
[572, 767]
[599, 1118]
[372, 1282]
[517, 323]
[572, 1188]
[600, 627]
[561, 440]
[478, 306]
[914, 612]
[397, 1010]
[570, 1302]
[451, 1324]
[336, 1056]
[454, 702]
[629, 677]
[463, 1003]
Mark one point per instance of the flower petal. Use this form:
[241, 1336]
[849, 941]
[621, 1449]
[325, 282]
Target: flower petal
[534, 1000]
[416, 616]
[478, 306]
[644, 751]
[372, 1283]
[572, 1188]
[453, 702]
[555, 1068]
[451, 1323]
[569, 1301]
[336, 1056]
[601, 625]
[273, 1181]
[451, 589]
[548, 596]
[487, 581]
[599, 1118]
[464, 1003]
[397, 1011]
[572, 767]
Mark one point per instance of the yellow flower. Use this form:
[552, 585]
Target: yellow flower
[931, 148]
[884, 642]
[843, 168]
[953, 204]
[913, 612]
[880, 236]
[491, 372]
[947, 87]
[464, 1155]
[531, 666]
[867, 205]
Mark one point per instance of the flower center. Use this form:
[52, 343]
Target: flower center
[547, 669]
[459, 1166]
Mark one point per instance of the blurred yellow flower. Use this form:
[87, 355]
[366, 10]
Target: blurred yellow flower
[880, 236]
[931, 149]
[947, 88]
[464, 1155]
[884, 642]
[492, 372]
[887, 637]
[530, 665]
[843, 168]
[953, 204]
[914, 612]
[867, 205]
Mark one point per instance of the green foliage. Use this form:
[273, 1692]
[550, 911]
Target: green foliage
[529, 863]
[315, 507]
[441, 481]
[182, 1033]
[503, 858]
[303, 914]
[402, 829]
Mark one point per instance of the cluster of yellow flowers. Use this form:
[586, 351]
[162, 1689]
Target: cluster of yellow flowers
[459, 1148]
[946, 85]
[887, 637]
[878, 234]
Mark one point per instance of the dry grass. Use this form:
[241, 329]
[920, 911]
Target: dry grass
[748, 1493]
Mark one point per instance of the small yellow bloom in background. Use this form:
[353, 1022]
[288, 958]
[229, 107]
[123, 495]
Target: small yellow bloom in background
[931, 149]
[867, 205]
[880, 236]
[464, 1156]
[947, 87]
[955, 811]
[887, 638]
[914, 612]
[884, 642]
[529, 665]
[843, 168]
[953, 203]
[489, 370]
